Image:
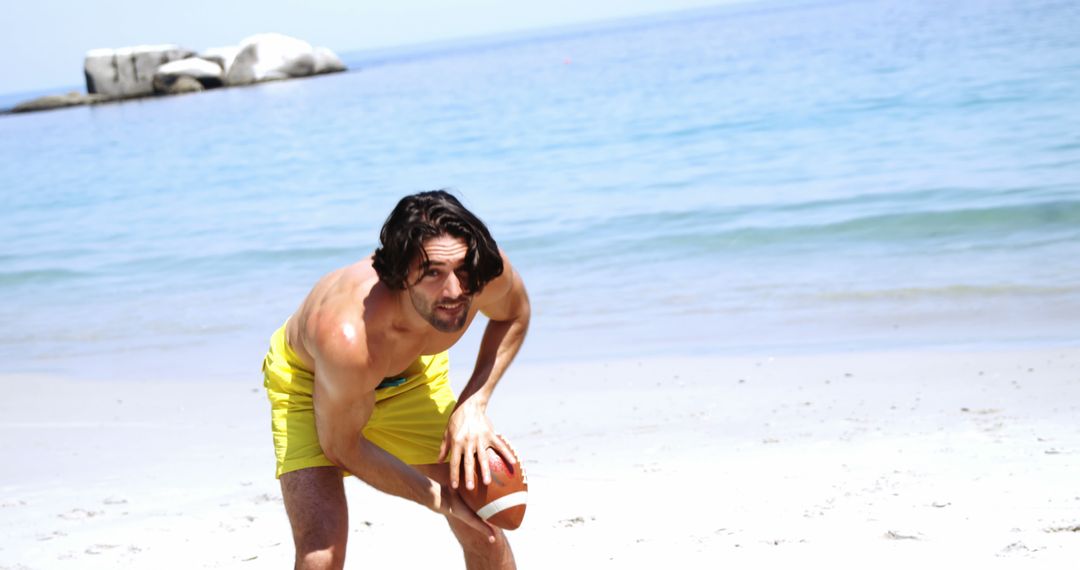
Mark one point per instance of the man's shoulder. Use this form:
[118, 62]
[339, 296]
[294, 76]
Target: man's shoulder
[348, 317]
[498, 289]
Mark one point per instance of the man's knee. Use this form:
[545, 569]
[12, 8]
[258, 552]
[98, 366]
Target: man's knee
[320, 541]
[476, 542]
[325, 559]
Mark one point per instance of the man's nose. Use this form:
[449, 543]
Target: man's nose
[453, 287]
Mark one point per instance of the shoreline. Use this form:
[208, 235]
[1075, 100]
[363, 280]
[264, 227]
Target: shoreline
[901, 457]
[235, 358]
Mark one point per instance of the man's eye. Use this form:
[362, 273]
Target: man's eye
[431, 273]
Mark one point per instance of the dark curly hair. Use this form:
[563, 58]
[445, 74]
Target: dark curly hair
[426, 215]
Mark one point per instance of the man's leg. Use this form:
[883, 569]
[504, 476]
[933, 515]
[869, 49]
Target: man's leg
[319, 515]
[479, 553]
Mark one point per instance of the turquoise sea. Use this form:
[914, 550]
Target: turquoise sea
[758, 178]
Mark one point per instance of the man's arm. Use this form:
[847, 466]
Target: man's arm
[469, 431]
[344, 399]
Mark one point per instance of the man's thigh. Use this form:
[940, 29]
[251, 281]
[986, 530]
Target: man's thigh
[440, 472]
[315, 502]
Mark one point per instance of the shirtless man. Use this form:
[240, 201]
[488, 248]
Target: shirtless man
[357, 379]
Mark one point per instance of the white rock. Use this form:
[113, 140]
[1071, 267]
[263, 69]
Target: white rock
[223, 56]
[327, 61]
[196, 67]
[266, 57]
[182, 84]
[207, 73]
[128, 71]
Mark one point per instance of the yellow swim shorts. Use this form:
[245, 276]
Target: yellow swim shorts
[411, 409]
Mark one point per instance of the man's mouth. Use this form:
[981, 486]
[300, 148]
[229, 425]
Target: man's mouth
[451, 307]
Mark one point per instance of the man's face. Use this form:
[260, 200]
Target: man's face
[437, 288]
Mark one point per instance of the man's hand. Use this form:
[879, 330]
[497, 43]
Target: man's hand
[452, 505]
[468, 435]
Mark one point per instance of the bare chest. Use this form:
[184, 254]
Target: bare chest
[407, 350]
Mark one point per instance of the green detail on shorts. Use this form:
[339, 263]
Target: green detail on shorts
[391, 382]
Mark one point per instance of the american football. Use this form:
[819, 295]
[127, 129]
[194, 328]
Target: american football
[502, 503]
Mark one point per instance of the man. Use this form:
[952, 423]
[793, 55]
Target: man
[357, 379]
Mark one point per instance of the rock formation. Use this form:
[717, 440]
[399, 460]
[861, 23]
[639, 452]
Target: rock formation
[327, 61]
[140, 71]
[56, 102]
[223, 56]
[207, 74]
[129, 71]
[269, 57]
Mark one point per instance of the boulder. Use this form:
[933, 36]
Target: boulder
[128, 71]
[268, 57]
[182, 84]
[327, 61]
[207, 73]
[223, 56]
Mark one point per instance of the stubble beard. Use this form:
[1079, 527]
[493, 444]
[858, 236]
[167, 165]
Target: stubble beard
[429, 311]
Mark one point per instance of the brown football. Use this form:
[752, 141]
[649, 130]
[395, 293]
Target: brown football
[502, 503]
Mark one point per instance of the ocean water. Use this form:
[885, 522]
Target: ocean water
[756, 178]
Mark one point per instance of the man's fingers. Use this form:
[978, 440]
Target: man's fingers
[455, 468]
[483, 526]
[442, 451]
[466, 514]
[485, 466]
[470, 466]
[505, 451]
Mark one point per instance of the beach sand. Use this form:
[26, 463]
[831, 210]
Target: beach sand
[889, 459]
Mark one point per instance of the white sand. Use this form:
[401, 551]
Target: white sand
[851, 460]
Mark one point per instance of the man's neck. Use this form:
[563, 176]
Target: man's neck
[408, 319]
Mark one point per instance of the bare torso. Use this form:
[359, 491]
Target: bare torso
[354, 299]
